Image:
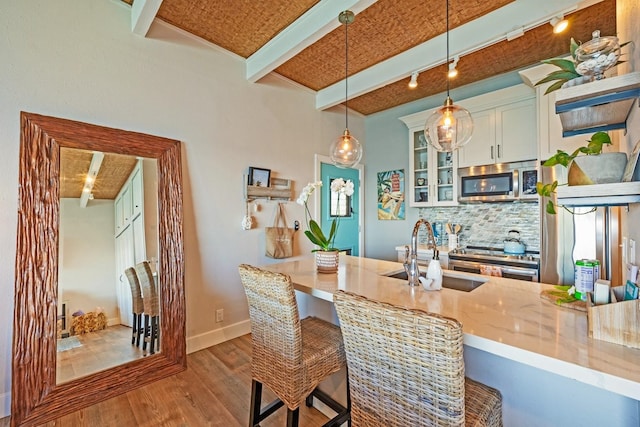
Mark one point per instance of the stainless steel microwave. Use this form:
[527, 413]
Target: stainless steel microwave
[503, 182]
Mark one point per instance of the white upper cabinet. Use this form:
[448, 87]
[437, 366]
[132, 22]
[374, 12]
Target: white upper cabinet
[129, 201]
[516, 132]
[504, 127]
[480, 150]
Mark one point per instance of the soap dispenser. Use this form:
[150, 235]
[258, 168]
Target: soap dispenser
[434, 272]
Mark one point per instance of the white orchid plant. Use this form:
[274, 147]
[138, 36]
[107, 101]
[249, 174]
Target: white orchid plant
[314, 232]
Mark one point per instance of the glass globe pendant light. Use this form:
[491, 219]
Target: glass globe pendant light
[449, 127]
[346, 150]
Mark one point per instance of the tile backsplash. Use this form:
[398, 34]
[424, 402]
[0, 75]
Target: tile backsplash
[487, 224]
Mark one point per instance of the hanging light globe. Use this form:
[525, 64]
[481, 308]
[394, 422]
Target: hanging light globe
[449, 127]
[345, 151]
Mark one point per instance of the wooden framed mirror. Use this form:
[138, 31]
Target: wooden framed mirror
[35, 396]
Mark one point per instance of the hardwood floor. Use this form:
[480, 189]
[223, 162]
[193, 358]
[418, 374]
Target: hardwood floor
[214, 391]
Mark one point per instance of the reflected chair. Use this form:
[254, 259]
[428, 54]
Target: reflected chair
[137, 305]
[151, 302]
[290, 356]
[406, 368]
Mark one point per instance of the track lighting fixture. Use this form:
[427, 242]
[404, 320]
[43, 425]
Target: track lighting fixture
[559, 24]
[453, 71]
[413, 83]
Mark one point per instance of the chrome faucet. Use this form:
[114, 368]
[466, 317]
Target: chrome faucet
[411, 254]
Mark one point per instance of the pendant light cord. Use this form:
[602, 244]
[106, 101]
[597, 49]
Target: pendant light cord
[346, 73]
[448, 46]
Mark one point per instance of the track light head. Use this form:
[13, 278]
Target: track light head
[413, 83]
[559, 24]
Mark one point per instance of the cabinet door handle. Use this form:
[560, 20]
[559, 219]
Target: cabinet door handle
[499, 155]
[491, 153]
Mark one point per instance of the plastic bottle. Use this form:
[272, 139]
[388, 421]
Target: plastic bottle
[434, 272]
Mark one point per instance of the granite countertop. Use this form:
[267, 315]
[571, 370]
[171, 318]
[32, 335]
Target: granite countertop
[504, 317]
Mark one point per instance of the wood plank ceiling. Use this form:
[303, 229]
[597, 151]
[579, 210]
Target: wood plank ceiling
[384, 31]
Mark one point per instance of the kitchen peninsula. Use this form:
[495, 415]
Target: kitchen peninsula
[537, 354]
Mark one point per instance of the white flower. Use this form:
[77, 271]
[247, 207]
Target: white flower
[306, 192]
[348, 188]
[337, 185]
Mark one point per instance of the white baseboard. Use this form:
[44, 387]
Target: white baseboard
[113, 321]
[227, 333]
[5, 404]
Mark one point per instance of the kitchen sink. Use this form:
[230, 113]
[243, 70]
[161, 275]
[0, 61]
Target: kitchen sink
[459, 283]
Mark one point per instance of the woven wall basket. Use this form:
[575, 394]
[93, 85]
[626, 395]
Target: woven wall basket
[327, 261]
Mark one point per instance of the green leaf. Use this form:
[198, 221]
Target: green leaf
[313, 238]
[573, 46]
[332, 232]
[563, 64]
[316, 231]
[557, 85]
[550, 208]
[558, 75]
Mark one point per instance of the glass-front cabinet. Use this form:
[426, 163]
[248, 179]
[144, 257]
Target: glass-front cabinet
[432, 174]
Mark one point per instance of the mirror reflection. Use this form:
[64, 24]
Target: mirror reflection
[108, 305]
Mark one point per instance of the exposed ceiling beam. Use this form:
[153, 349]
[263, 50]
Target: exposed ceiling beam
[143, 12]
[306, 30]
[487, 30]
[90, 180]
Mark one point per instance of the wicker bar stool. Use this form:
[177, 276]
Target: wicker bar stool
[137, 305]
[290, 356]
[406, 368]
[151, 302]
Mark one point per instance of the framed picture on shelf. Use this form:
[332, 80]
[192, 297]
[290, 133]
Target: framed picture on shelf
[259, 177]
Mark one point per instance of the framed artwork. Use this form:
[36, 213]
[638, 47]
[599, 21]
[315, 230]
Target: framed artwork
[631, 164]
[259, 177]
[391, 195]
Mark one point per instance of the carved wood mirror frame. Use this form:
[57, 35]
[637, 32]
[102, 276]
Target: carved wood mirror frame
[35, 396]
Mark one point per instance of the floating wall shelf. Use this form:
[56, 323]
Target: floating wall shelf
[280, 189]
[614, 194]
[601, 105]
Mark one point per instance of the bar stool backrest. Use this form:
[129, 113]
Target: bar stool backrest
[275, 325]
[136, 292]
[150, 297]
[405, 366]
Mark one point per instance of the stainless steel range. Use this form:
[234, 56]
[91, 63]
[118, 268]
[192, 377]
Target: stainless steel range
[494, 262]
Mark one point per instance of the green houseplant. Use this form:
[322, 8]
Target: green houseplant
[325, 242]
[567, 67]
[594, 147]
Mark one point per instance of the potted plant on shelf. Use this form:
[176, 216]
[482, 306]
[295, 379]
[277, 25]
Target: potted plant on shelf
[594, 167]
[326, 252]
[588, 62]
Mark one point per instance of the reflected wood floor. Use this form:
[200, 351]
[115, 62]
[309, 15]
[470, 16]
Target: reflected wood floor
[215, 390]
[100, 350]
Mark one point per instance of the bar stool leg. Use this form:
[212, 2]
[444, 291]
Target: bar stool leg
[146, 332]
[293, 417]
[153, 334]
[139, 330]
[134, 329]
[256, 397]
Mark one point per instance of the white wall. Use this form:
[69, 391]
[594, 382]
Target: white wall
[628, 23]
[78, 59]
[86, 269]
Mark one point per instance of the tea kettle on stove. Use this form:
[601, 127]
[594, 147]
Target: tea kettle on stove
[512, 244]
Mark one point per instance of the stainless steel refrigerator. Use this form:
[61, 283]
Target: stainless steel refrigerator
[591, 233]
